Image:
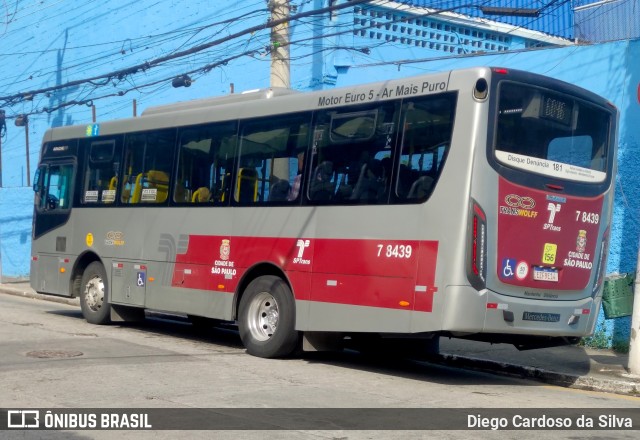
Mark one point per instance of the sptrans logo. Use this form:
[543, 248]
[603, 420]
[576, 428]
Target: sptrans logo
[302, 245]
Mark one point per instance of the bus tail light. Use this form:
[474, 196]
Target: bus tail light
[477, 247]
[601, 262]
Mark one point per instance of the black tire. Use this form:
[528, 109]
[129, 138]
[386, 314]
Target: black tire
[266, 318]
[94, 294]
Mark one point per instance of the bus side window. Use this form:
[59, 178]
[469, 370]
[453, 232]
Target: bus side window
[353, 154]
[428, 127]
[271, 161]
[204, 155]
[147, 166]
[54, 187]
[101, 172]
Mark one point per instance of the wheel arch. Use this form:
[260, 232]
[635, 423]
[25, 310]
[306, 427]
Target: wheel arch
[259, 269]
[83, 260]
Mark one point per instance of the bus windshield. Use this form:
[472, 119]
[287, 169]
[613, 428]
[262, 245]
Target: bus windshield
[551, 133]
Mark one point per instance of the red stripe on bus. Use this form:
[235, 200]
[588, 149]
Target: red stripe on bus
[376, 273]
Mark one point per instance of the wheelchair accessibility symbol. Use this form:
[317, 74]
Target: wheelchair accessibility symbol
[508, 268]
[141, 279]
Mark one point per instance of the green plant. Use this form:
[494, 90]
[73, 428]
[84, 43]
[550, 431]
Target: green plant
[620, 346]
[598, 340]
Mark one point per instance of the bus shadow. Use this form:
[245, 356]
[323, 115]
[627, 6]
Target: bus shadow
[434, 370]
[171, 325]
[460, 362]
[67, 313]
[562, 365]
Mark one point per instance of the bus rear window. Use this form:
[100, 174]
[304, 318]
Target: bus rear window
[551, 133]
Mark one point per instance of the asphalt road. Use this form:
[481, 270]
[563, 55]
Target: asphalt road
[51, 358]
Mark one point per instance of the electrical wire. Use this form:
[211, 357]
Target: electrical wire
[121, 79]
[143, 67]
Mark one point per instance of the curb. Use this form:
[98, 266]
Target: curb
[566, 380]
[16, 291]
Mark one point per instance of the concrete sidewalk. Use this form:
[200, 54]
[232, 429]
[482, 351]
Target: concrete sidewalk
[570, 366]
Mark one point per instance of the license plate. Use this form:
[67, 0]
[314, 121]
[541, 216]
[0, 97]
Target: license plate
[545, 274]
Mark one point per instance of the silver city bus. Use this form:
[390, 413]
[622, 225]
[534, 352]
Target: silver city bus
[473, 203]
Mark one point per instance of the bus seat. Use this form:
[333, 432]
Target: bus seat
[137, 189]
[322, 187]
[421, 188]
[201, 195]
[113, 183]
[247, 186]
[279, 191]
[152, 179]
[349, 175]
[160, 181]
[404, 181]
[368, 185]
[181, 194]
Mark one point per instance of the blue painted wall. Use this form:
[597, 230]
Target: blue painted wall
[16, 211]
[52, 44]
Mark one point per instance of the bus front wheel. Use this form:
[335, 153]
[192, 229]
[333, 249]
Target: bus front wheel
[93, 296]
[266, 318]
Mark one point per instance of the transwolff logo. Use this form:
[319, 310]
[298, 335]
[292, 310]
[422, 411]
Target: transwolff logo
[114, 238]
[519, 206]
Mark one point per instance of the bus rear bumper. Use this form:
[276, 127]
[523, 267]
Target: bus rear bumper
[501, 318]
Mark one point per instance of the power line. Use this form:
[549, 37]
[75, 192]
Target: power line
[122, 73]
[119, 76]
[122, 48]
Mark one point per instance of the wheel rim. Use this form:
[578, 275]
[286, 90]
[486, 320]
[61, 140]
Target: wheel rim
[94, 293]
[262, 317]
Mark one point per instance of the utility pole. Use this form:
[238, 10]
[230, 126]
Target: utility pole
[3, 130]
[280, 64]
[1, 134]
[23, 121]
[634, 343]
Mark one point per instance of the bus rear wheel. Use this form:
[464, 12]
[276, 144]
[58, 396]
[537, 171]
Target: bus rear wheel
[266, 318]
[93, 295]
